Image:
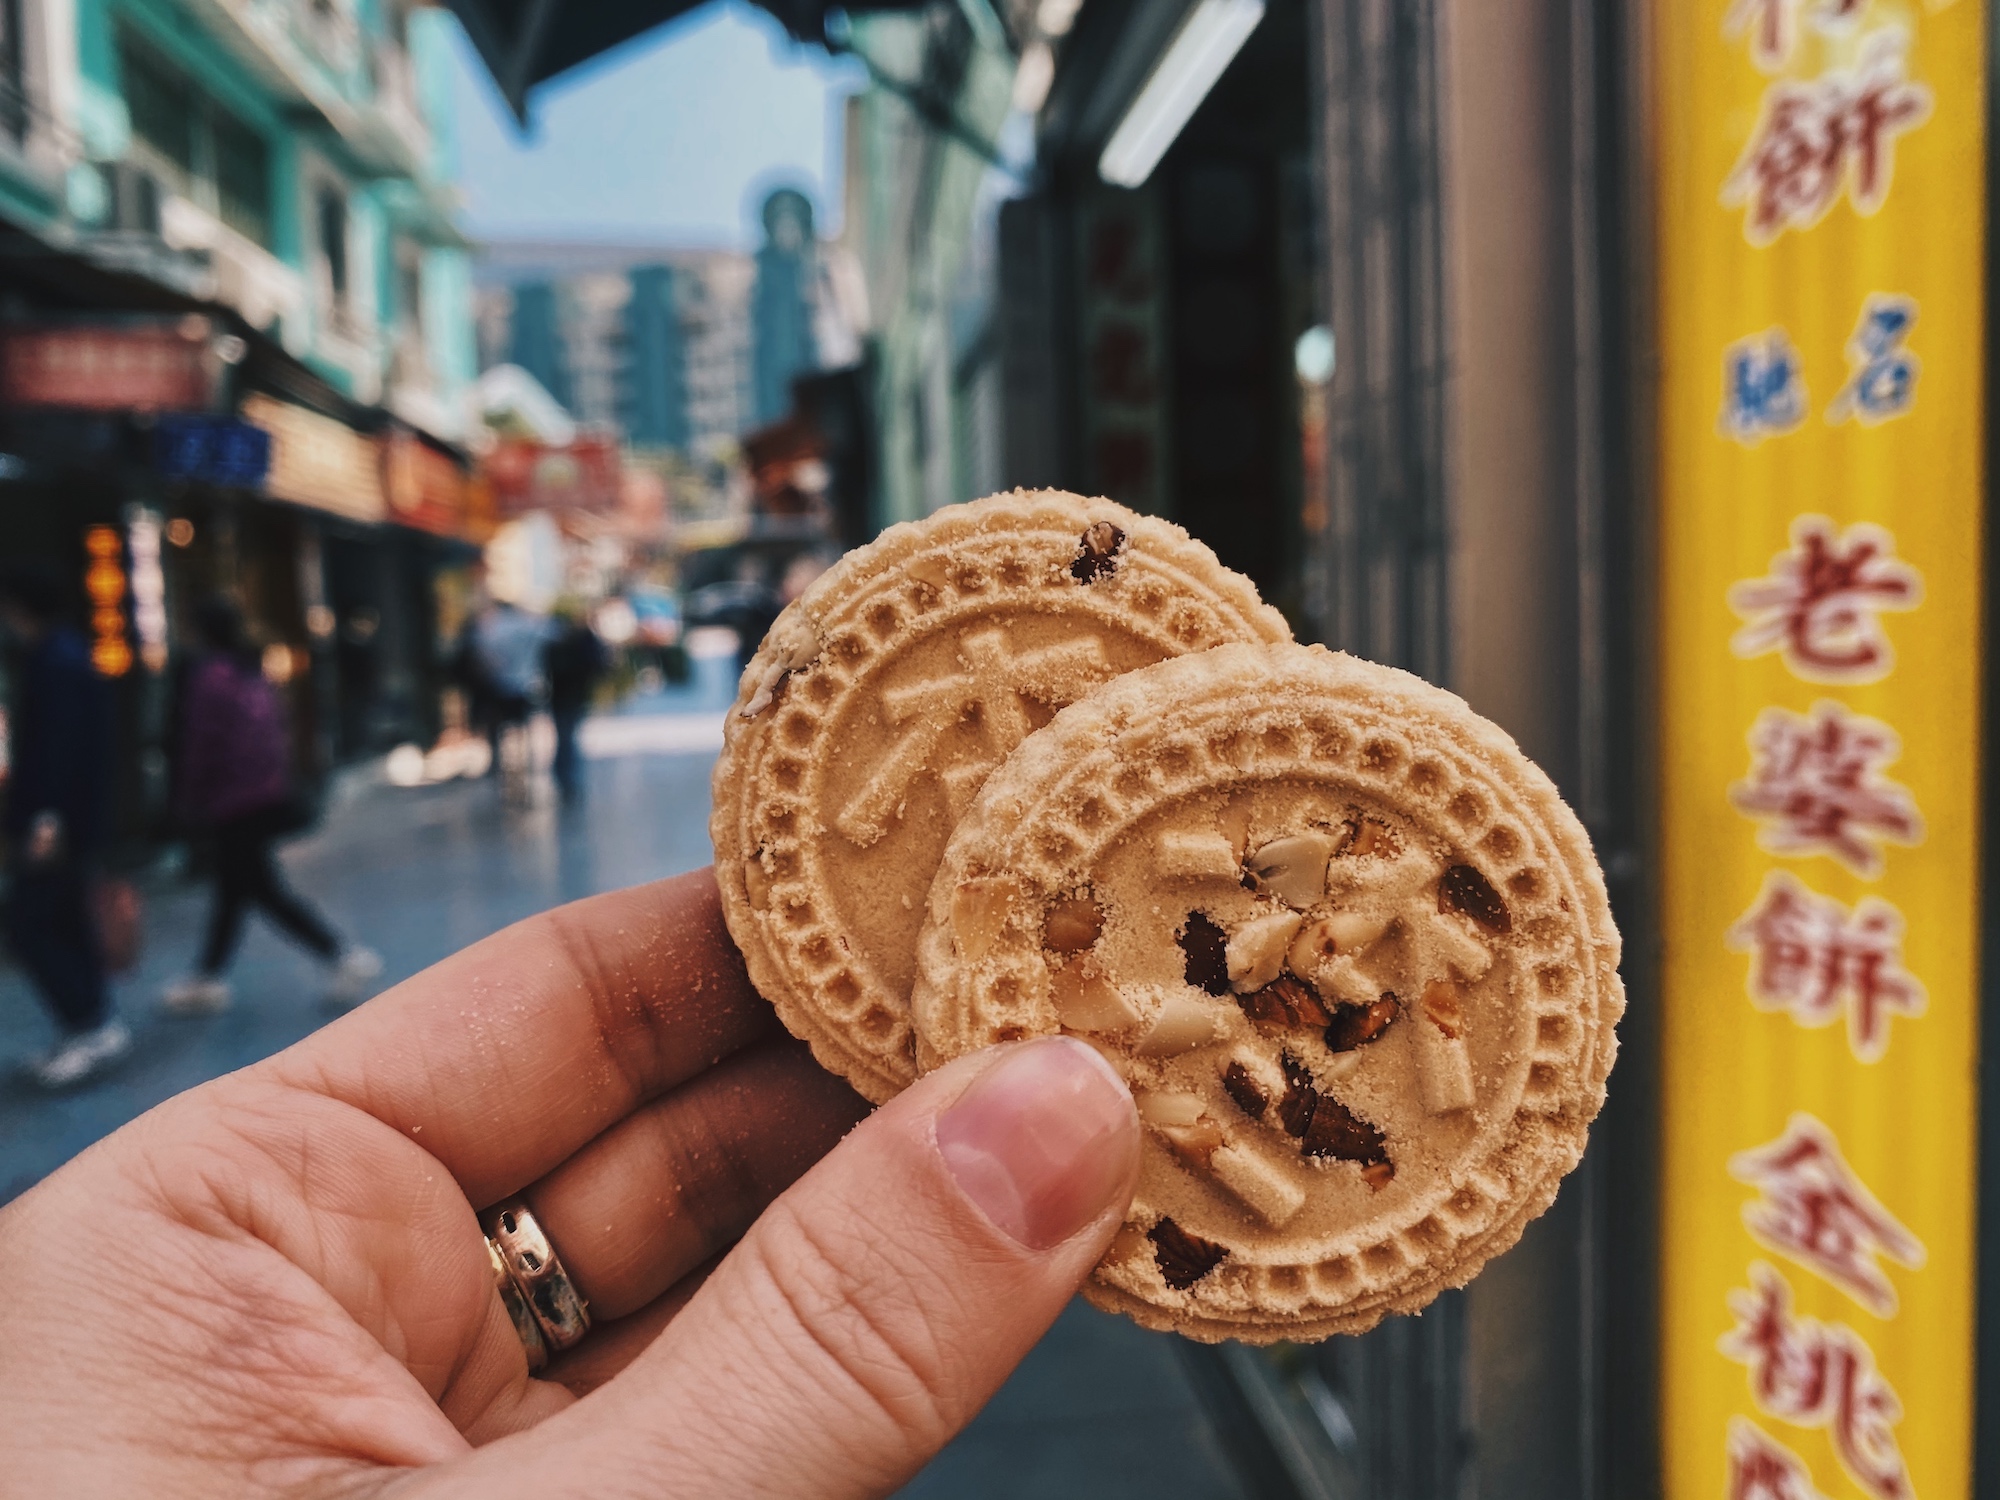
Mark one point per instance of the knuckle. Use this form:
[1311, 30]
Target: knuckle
[862, 1327]
[629, 1017]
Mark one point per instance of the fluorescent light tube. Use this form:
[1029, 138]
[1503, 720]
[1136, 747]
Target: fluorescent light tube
[1211, 36]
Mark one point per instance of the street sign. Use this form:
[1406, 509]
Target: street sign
[211, 450]
[1822, 323]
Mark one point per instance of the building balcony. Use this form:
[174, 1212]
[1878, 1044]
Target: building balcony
[319, 60]
[414, 392]
[241, 273]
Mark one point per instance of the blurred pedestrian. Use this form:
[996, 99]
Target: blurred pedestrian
[56, 795]
[506, 653]
[469, 672]
[236, 782]
[574, 661]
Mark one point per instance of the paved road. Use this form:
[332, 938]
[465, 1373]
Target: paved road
[1101, 1409]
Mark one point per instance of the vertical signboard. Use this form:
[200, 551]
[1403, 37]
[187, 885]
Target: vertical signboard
[1821, 213]
[1122, 281]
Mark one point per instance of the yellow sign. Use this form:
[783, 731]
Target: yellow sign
[319, 462]
[1822, 237]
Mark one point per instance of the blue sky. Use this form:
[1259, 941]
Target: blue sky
[672, 138]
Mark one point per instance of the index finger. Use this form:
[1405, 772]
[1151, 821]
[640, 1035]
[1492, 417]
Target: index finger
[507, 1057]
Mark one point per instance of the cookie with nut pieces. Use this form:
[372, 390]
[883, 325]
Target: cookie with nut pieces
[880, 701]
[1348, 946]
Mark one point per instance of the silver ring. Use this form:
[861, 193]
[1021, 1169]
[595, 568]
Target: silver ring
[560, 1314]
[526, 1329]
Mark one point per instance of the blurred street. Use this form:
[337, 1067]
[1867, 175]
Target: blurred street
[416, 873]
[1102, 1409]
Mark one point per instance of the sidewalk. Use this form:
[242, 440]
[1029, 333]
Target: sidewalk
[1102, 1410]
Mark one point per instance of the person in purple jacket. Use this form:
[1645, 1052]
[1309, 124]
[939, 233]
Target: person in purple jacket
[236, 782]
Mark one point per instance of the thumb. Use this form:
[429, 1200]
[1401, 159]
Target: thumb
[877, 1305]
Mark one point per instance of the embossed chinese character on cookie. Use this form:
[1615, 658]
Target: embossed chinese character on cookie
[879, 703]
[1346, 942]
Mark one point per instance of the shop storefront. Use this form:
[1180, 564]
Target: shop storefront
[158, 458]
[1622, 368]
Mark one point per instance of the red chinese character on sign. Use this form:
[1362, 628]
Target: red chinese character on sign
[1121, 364]
[1815, 1210]
[1809, 954]
[1817, 139]
[1820, 601]
[1818, 1374]
[1817, 783]
[1118, 261]
[1773, 25]
[1762, 1468]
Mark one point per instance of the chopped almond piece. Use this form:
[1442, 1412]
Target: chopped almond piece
[1196, 856]
[1444, 1067]
[1292, 869]
[1165, 1107]
[1463, 953]
[1256, 954]
[1340, 934]
[1197, 1142]
[1273, 1195]
[1185, 1021]
[980, 908]
[1442, 1006]
[1086, 1000]
[1233, 823]
[1072, 924]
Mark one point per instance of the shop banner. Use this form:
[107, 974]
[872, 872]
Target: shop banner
[317, 461]
[525, 476]
[136, 367]
[425, 489]
[1822, 322]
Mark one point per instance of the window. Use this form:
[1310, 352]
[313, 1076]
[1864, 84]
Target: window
[207, 152]
[157, 97]
[410, 288]
[13, 73]
[330, 209]
[242, 177]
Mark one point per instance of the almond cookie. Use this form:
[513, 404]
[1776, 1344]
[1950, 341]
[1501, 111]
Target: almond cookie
[1346, 942]
[877, 706]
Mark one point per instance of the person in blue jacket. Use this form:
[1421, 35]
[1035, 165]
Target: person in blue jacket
[57, 791]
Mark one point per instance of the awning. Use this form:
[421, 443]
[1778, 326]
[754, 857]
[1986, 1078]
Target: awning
[526, 42]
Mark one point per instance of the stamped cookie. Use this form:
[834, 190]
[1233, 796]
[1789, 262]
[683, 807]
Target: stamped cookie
[877, 706]
[1346, 942]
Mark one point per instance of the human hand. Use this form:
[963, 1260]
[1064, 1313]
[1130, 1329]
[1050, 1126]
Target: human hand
[276, 1283]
